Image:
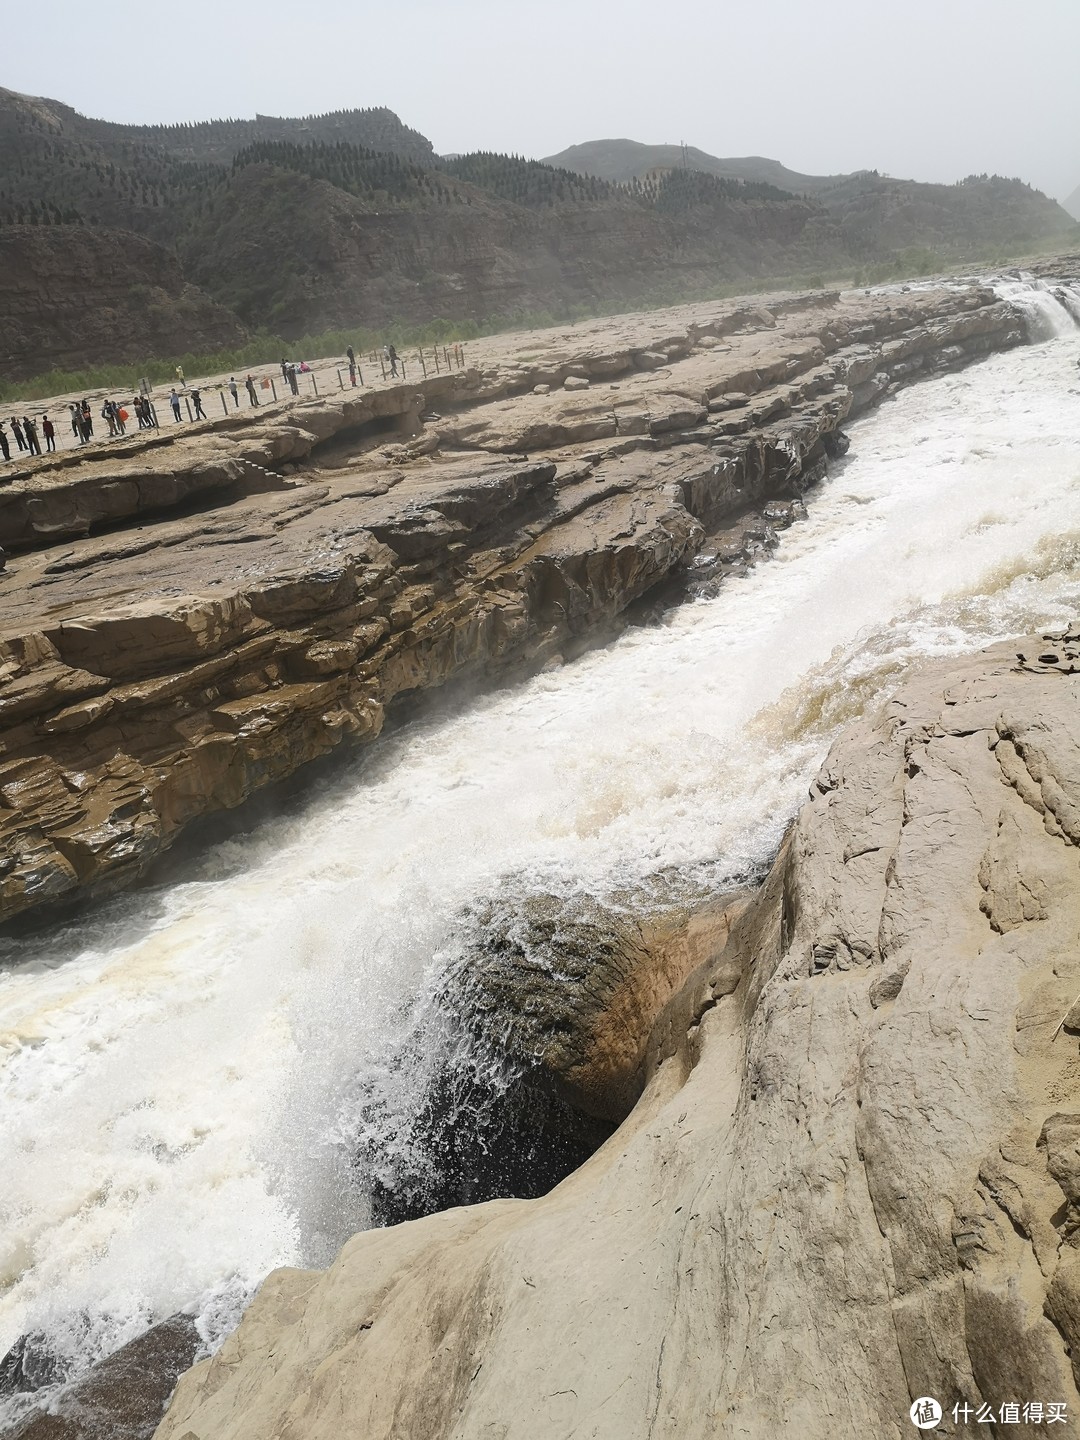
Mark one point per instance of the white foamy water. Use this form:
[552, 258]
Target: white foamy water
[1052, 309]
[173, 1068]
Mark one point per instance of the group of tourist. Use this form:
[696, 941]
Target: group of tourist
[25, 430]
[291, 372]
[24, 433]
[115, 415]
[194, 397]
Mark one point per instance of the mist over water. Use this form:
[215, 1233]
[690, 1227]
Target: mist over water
[177, 1070]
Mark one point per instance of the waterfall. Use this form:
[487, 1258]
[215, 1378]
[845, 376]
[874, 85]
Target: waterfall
[1051, 308]
[190, 1073]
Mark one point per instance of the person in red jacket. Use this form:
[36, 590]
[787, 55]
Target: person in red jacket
[48, 430]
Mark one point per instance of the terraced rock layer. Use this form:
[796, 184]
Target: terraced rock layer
[194, 615]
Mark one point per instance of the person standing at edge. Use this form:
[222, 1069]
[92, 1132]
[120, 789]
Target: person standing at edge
[5, 448]
[284, 369]
[252, 397]
[350, 355]
[87, 421]
[233, 391]
[179, 374]
[293, 384]
[391, 355]
[75, 421]
[174, 401]
[49, 431]
[196, 400]
[108, 416]
[16, 430]
[30, 431]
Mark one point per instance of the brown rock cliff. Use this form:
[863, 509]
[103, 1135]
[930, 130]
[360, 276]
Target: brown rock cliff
[350, 553]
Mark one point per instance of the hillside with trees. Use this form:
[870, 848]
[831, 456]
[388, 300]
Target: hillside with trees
[292, 226]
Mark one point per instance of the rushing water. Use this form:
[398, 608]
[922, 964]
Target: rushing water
[175, 1069]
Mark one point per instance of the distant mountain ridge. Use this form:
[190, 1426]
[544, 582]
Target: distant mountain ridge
[376, 128]
[1072, 204]
[295, 227]
[623, 160]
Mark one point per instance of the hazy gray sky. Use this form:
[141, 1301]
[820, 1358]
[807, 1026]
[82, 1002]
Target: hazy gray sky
[934, 89]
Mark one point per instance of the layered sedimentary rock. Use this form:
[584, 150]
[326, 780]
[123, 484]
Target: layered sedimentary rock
[852, 1178]
[190, 616]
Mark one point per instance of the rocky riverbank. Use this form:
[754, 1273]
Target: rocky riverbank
[852, 1176]
[192, 616]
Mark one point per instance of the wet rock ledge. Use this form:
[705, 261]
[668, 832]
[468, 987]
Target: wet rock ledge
[852, 1178]
[188, 617]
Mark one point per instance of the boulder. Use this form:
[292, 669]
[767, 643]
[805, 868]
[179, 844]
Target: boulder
[566, 989]
[122, 1397]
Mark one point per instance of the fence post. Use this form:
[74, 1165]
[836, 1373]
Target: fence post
[315, 383]
[403, 376]
[360, 373]
[273, 387]
[341, 383]
[435, 352]
[224, 406]
[382, 365]
[187, 402]
[423, 367]
[446, 356]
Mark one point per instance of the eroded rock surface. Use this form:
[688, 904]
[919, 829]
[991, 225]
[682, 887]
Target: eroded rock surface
[853, 1177]
[191, 615]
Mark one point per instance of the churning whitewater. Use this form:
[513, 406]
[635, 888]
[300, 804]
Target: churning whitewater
[177, 1067]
